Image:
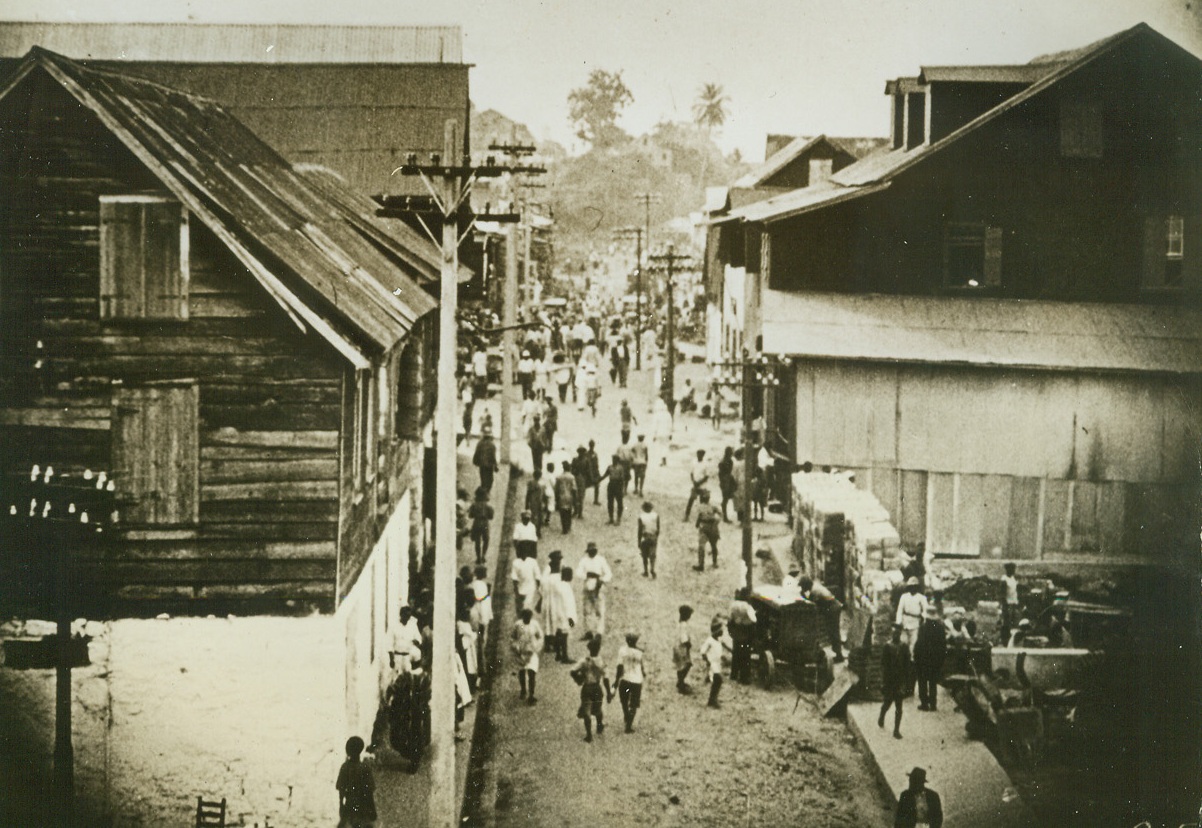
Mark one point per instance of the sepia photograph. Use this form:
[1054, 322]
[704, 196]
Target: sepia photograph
[316, 319]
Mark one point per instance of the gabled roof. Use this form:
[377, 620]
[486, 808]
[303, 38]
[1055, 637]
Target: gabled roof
[1019, 73]
[984, 331]
[875, 171]
[798, 147]
[316, 247]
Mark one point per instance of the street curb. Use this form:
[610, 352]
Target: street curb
[477, 799]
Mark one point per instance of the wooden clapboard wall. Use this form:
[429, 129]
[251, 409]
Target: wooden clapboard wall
[1014, 464]
[266, 401]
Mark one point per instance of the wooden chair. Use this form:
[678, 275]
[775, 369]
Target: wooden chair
[210, 813]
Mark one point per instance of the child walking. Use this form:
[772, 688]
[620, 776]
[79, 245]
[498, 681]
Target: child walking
[527, 644]
[629, 678]
[711, 653]
[589, 673]
[356, 789]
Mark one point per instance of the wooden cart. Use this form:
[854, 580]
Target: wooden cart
[788, 633]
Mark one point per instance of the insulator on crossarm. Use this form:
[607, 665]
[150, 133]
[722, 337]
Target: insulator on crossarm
[46, 509]
[49, 474]
[83, 517]
[71, 508]
[87, 474]
[33, 507]
[34, 472]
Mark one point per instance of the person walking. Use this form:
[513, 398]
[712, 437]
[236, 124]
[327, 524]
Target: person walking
[484, 457]
[589, 673]
[468, 398]
[525, 535]
[682, 650]
[580, 471]
[929, 654]
[629, 679]
[561, 375]
[911, 609]
[615, 489]
[527, 642]
[409, 713]
[481, 614]
[592, 391]
[895, 679]
[711, 654]
[565, 497]
[480, 373]
[356, 789]
[535, 500]
[595, 572]
[647, 536]
[534, 439]
[524, 574]
[918, 806]
[699, 475]
[1011, 608]
[639, 458]
[830, 609]
[627, 419]
[661, 424]
[525, 371]
[709, 519]
[594, 472]
[547, 584]
[560, 602]
[481, 514]
[726, 479]
[624, 454]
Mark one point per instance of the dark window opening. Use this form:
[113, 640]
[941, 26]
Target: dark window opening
[972, 256]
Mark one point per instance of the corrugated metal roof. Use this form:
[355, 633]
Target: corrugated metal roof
[796, 202]
[984, 331]
[856, 147]
[240, 43]
[311, 251]
[1020, 73]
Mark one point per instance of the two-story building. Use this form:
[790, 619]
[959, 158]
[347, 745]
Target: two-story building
[241, 352]
[996, 320]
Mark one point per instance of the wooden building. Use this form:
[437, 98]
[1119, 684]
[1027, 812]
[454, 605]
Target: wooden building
[355, 99]
[997, 319]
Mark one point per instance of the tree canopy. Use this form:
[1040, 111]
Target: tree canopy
[595, 107]
[709, 110]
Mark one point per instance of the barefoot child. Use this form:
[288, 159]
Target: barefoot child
[682, 653]
[527, 644]
[589, 673]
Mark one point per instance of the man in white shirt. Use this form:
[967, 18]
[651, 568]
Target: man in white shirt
[911, 609]
[595, 573]
[406, 641]
[524, 574]
[525, 536]
[699, 475]
[629, 679]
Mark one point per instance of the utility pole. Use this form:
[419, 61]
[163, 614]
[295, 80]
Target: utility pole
[637, 233]
[449, 185]
[755, 374]
[668, 384]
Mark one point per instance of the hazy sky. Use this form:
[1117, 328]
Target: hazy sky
[791, 66]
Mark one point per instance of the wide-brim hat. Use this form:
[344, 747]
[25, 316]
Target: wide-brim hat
[591, 547]
[555, 555]
[912, 581]
[918, 773]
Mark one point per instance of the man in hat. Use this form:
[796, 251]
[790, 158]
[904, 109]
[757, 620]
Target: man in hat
[595, 572]
[918, 806]
[485, 457]
[629, 678]
[709, 519]
[929, 654]
[524, 574]
[525, 371]
[911, 609]
[566, 496]
[580, 471]
[711, 654]
[525, 535]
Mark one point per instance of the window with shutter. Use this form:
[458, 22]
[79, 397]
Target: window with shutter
[143, 258]
[972, 256]
[1165, 251]
[156, 453]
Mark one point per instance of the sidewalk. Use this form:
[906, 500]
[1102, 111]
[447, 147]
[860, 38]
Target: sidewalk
[974, 788]
[402, 797]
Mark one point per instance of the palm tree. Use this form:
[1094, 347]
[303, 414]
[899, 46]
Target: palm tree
[709, 111]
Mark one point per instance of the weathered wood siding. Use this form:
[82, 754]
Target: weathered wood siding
[270, 397]
[1014, 463]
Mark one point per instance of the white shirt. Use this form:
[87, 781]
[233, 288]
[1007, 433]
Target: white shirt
[525, 531]
[711, 651]
[595, 566]
[911, 609]
[631, 659]
[699, 473]
[407, 637]
[524, 572]
[1011, 589]
[480, 363]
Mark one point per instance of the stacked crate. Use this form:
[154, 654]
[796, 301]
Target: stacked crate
[988, 615]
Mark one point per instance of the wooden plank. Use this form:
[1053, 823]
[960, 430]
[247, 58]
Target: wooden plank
[1023, 524]
[198, 549]
[325, 439]
[275, 416]
[969, 495]
[253, 453]
[911, 518]
[261, 512]
[80, 418]
[220, 571]
[285, 531]
[1056, 516]
[1112, 529]
[940, 533]
[996, 498]
[272, 490]
[248, 471]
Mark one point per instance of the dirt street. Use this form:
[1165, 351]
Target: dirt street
[755, 761]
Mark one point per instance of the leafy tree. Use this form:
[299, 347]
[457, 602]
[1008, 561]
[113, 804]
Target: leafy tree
[709, 111]
[595, 107]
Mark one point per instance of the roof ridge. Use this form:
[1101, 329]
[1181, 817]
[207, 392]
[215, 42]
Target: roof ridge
[63, 62]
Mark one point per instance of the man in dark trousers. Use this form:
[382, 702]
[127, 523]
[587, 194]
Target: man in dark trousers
[830, 607]
[566, 497]
[918, 806]
[895, 679]
[485, 458]
[929, 652]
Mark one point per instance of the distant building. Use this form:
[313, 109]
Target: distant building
[355, 99]
[246, 352]
[996, 320]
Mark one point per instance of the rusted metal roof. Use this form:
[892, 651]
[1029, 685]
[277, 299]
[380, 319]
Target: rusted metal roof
[237, 43]
[984, 331]
[316, 248]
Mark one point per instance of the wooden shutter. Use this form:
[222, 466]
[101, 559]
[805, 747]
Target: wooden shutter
[1154, 248]
[156, 454]
[1191, 277]
[143, 258]
[993, 256]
